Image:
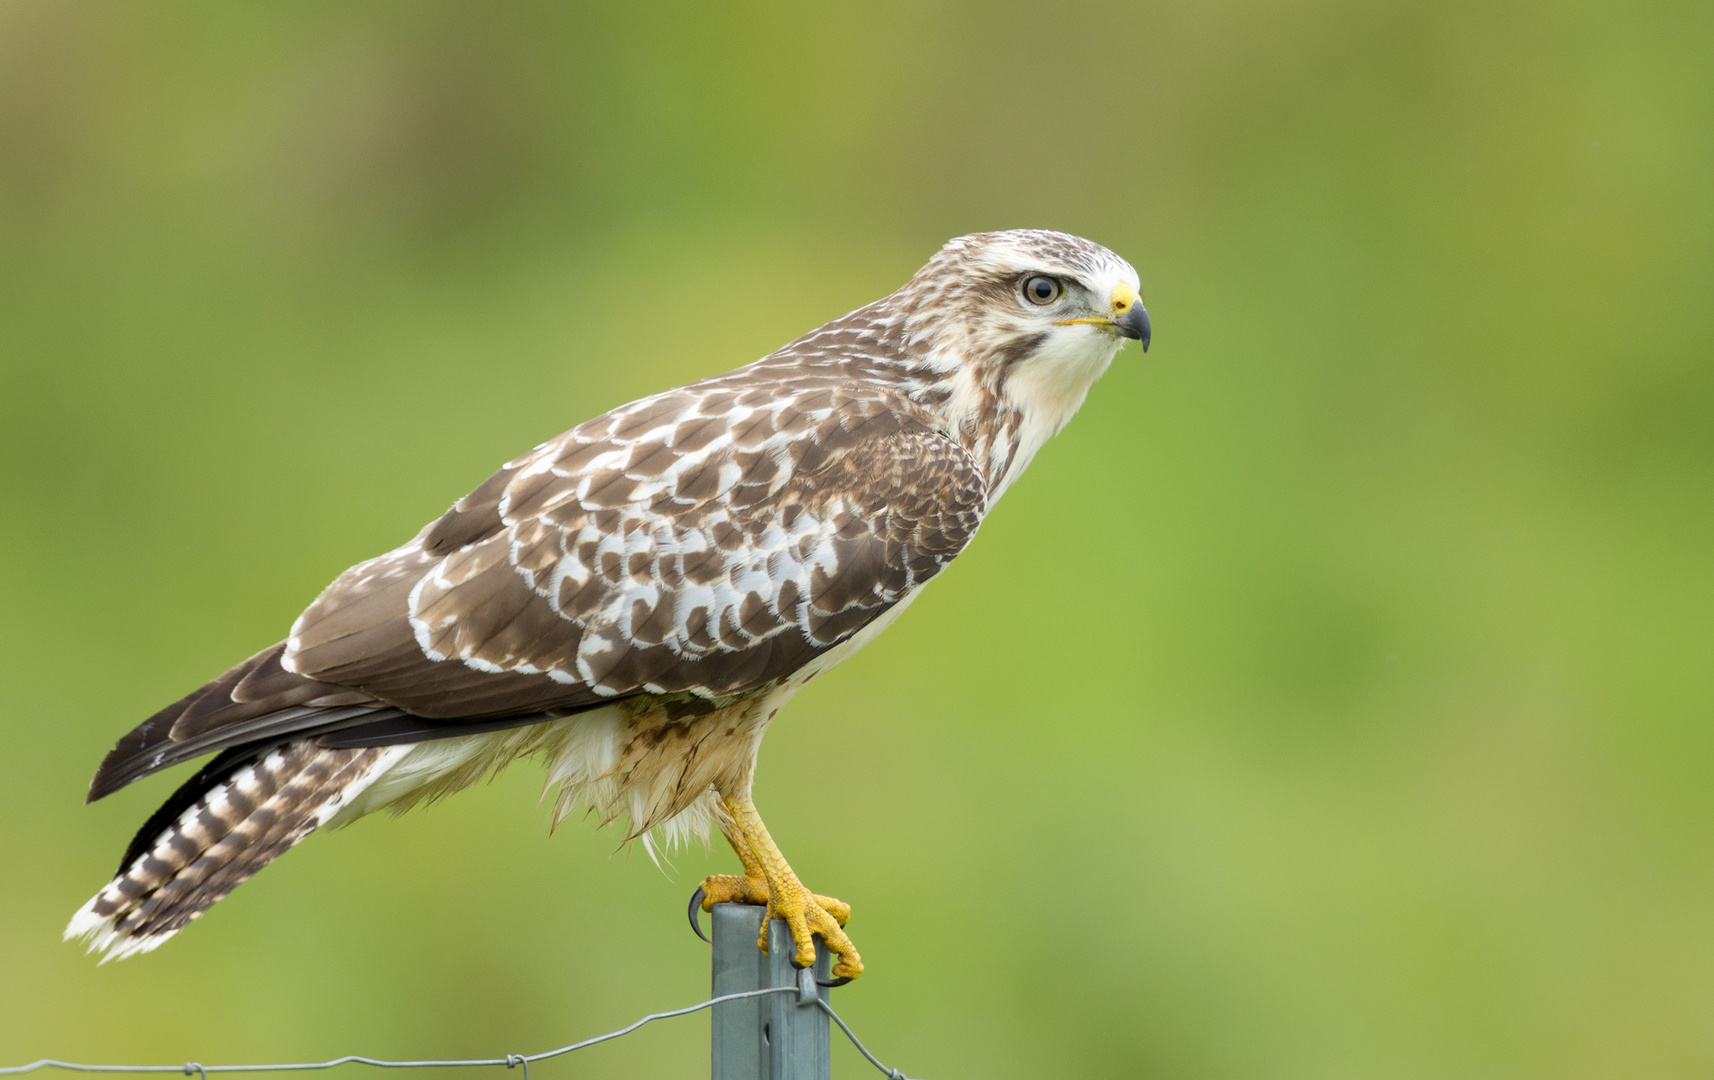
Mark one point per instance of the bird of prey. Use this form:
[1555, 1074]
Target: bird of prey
[634, 601]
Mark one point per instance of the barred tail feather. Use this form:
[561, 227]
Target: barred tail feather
[238, 817]
[233, 829]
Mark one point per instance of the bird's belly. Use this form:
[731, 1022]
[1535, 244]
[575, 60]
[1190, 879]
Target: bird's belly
[646, 761]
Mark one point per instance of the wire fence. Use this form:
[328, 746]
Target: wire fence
[510, 1061]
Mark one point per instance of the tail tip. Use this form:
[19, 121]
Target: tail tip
[103, 934]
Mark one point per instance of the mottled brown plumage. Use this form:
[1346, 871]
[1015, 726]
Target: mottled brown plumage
[635, 599]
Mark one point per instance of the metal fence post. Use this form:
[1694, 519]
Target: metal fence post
[776, 1036]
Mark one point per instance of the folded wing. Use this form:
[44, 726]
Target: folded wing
[708, 541]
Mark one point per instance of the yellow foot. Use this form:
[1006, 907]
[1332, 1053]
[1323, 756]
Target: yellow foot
[724, 889]
[732, 889]
[807, 914]
[768, 879]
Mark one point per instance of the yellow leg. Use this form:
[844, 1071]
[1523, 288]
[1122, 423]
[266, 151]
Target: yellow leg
[769, 879]
[751, 887]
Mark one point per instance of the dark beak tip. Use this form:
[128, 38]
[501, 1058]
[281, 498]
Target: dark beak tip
[1134, 324]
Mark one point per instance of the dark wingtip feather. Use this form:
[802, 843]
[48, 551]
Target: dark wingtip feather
[114, 771]
[254, 701]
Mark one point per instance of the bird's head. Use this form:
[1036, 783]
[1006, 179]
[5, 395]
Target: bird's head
[1032, 316]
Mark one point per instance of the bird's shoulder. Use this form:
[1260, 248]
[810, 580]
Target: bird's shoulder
[735, 439]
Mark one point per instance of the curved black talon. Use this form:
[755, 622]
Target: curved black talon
[696, 899]
[838, 980]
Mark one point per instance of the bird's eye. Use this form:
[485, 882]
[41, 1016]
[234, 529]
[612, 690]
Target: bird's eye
[1042, 290]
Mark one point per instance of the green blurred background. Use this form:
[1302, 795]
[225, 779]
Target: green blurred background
[1333, 699]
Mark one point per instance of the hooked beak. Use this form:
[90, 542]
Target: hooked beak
[1130, 318]
[1134, 324]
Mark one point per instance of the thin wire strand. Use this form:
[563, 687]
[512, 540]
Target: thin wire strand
[509, 1061]
[891, 1074]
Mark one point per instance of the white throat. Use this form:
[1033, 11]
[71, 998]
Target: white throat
[1047, 390]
